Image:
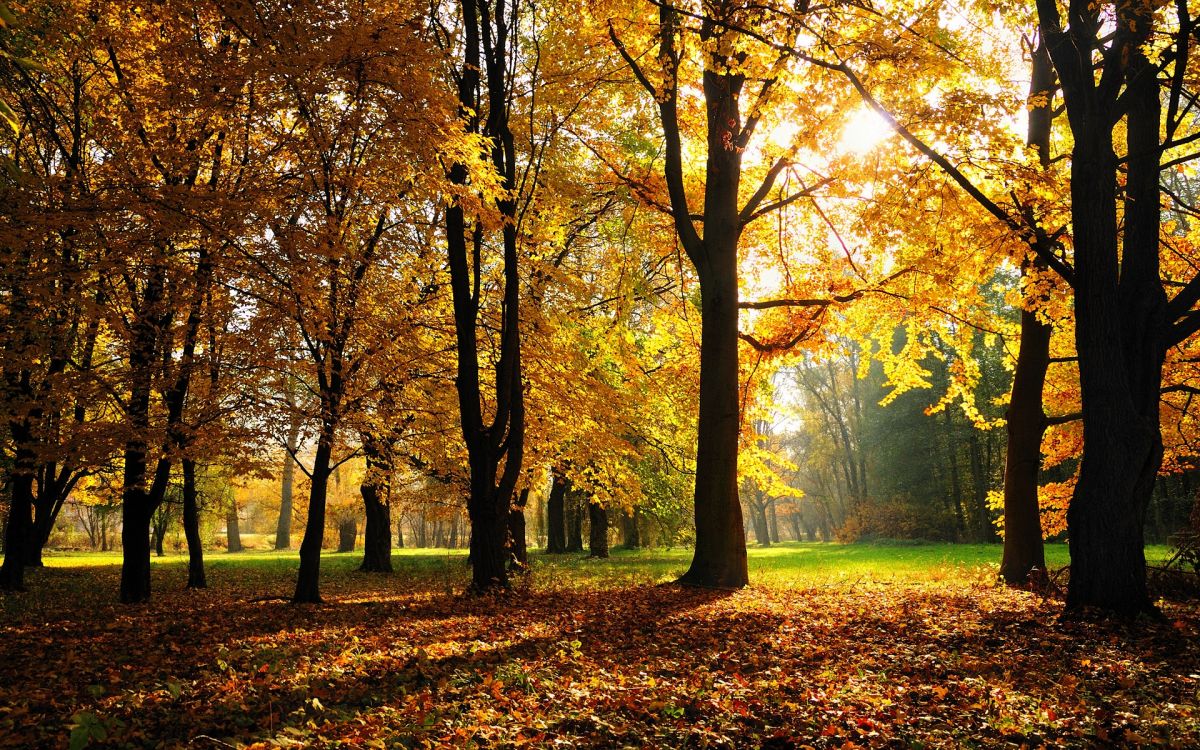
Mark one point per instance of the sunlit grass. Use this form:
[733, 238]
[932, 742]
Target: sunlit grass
[787, 564]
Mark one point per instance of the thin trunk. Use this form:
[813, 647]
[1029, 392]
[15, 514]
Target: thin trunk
[516, 531]
[376, 490]
[309, 578]
[574, 521]
[1024, 553]
[191, 527]
[630, 532]
[233, 529]
[500, 440]
[556, 532]
[283, 529]
[347, 534]
[19, 519]
[598, 538]
[1024, 559]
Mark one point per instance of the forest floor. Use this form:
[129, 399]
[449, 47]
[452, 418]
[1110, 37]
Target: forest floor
[832, 647]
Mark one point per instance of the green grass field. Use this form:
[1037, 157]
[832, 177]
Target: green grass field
[788, 563]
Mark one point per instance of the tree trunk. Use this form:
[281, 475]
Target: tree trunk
[1121, 310]
[20, 512]
[720, 556]
[598, 538]
[283, 529]
[1024, 553]
[1120, 365]
[233, 532]
[309, 578]
[719, 559]
[574, 521]
[498, 440]
[376, 494]
[54, 487]
[347, 534]
[630, 533]
[516, 531]
[556, 531]
[191, 527]
[158, 531]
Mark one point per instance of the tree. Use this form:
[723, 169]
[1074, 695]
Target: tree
[494, 444]
[1124, 321]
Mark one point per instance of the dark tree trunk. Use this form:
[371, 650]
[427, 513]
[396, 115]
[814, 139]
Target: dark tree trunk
[516, 531]
[631, 535]
[758, 519]
[20, 511]
[1121, 324]
[574, 521]
[54, 487]
[191, 527]
[142, 491]
[283, 529]
[377, 536]
[498, 440]
[556, 521]
[233, 529]
[1024, 553]
[598, 537]
[1024, 559]
[376, 494]
[347, 534]
[308, 580]
[158, 531]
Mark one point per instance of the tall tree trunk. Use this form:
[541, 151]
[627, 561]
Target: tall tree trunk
[556, 521]
[233, 529]
[141, 491]
[376, 494]
[309, 578]
[486, 48]
[574, 521]
[1120, 361]
[1024, 553]
[719, 559]
[191, 527]
[631, 536]
[773, 520]
[598, 538]
[20, 512]
[283, 529]
[516, 531]
[347, 534]
[1122, 328]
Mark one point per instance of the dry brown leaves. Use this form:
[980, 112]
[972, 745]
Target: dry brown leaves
[396, 663]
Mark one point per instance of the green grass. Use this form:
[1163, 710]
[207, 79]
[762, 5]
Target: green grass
[786, 564]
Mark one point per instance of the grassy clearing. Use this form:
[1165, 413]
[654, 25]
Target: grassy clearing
[786, 564]
[833, 646]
